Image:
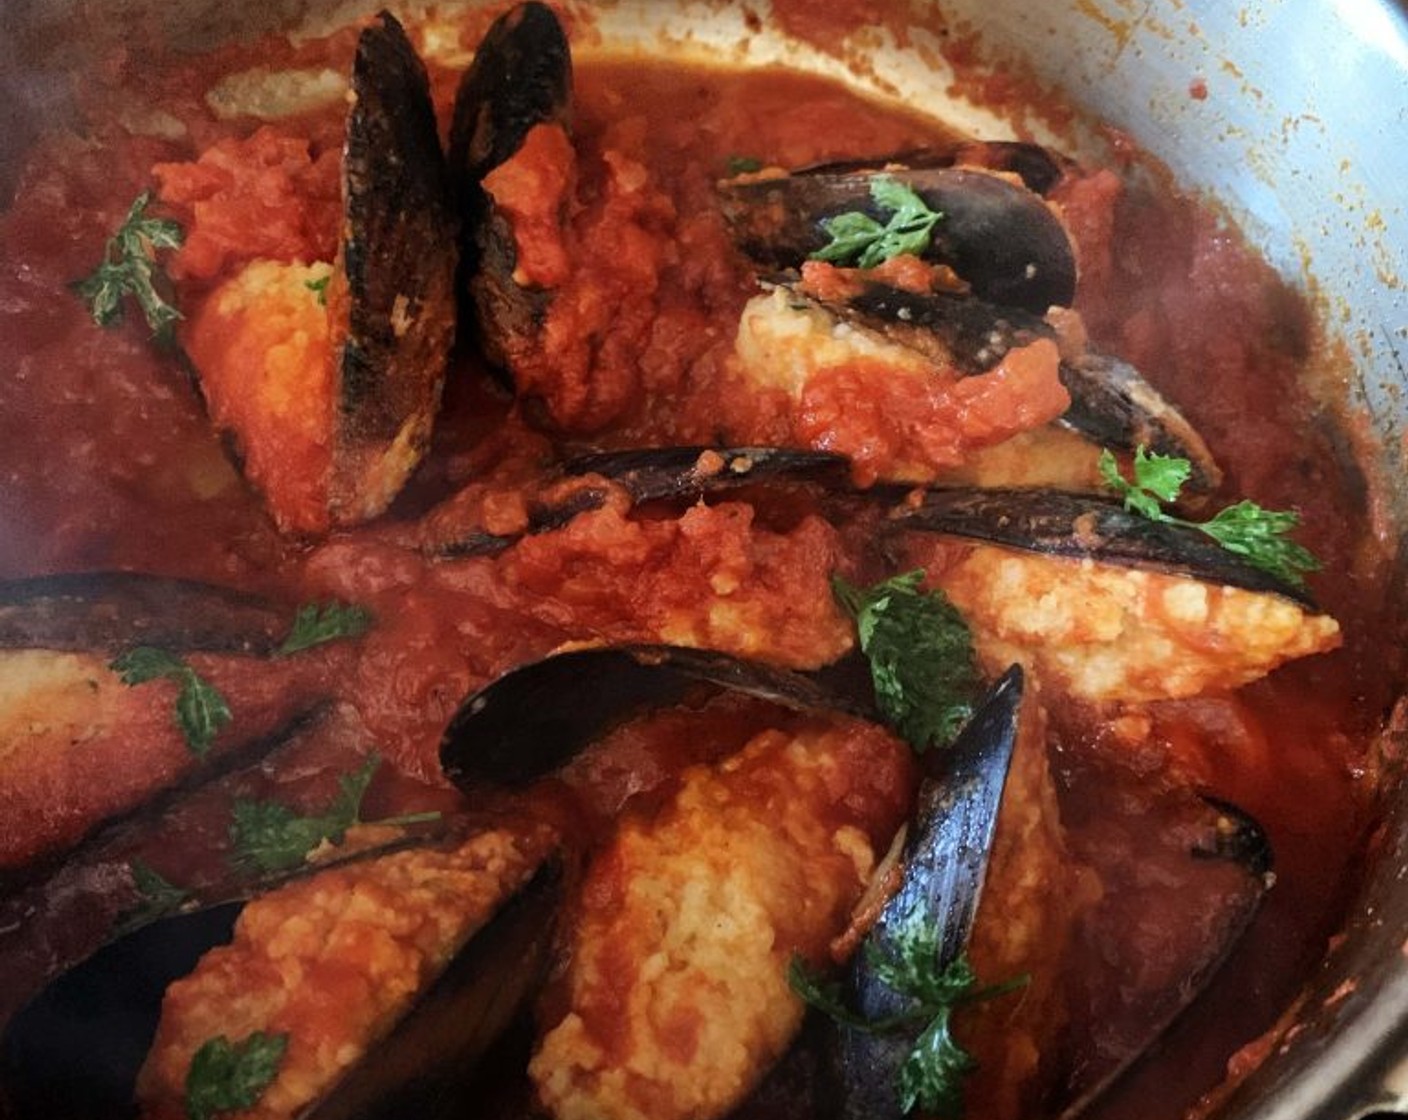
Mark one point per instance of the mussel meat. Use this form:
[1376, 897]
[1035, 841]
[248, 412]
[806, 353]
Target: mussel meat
[428, 953]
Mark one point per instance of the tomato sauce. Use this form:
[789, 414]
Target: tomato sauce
[109, 460]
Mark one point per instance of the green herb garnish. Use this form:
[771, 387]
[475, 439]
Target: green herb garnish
[159, 896]
[743, 165]
[1257, 535]
[272, 837]
[921, 656]
[200, 710]
[857, 238]
[229, 1076]
[128, 268]
[320, 286]
[316, 623]
[931, 1076]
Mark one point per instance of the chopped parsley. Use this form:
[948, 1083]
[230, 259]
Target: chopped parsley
[316, 623]
[858, 239]
[319, 285]
[200, 710]
[743, 165]
[128, 268]
[229, 1076]
[921, 656]
[159, 896]
[932, 1074]
[271, 837]
[1257, 535]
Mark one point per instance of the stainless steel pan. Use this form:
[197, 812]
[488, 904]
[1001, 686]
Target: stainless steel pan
[1293, 113]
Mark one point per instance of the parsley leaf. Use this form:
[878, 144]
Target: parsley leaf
[228, 1076]
[1257, 535]
[319, 285]
[921, 656]
[159, 896]
[743, 165]
[932, 1073]
[200, 709]
[857, 238]
[317, 623]
[127, 268]
[932, 1076]
[272, 837]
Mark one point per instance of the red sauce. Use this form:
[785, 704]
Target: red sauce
[135, 478]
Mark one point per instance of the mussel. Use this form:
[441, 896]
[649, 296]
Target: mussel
[429, 953]
[327, 382]
[521, 78]
[154, 680]
[981, 824]
[1102, 603]
[686, 918]
[1009, 248]
[644, 475]
[1000, 238]
[535, 718]
[945, 865]
[1109, 404]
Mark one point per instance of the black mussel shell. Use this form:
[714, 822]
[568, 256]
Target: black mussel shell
[945, 864]
[1220, 836]
[1084, 527]
[398, 254]
[651, 474]
[536, 718]
[999, 237]
[427, 1066]
[1112, 405]
[1039, 168]
[687, 472]
[74, 1051]
[102, 614]
[118, 610]
[521, 77]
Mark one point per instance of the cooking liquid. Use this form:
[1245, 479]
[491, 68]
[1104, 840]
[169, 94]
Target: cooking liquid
[108, 461]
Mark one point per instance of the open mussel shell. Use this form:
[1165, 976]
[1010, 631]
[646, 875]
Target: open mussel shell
[398, 258]
[658, 473]
[1223, 845]
[688, 472]
[999, 237]
[58, 639]
[75, 1050]
[117, 610]
[1084, 527]
[945, 864]
[1112, 405]
[521, 77]
[1039, 168]
[536, 718]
